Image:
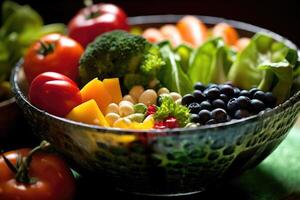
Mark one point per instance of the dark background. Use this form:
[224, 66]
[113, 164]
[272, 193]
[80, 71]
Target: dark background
[279, 16]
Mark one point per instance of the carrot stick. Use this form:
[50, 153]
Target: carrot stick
[171, 33]
[153, 35]
[227, 32]
[192, 30]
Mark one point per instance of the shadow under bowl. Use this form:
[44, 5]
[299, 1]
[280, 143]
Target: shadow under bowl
[164, 162]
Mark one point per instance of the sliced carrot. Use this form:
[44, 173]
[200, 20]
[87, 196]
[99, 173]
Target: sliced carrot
[242, 43]
[171, 33]
[192, 30]
[153, 35]
[227, 32]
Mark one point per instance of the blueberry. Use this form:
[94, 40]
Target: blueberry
[205, 105]
[241, 114]
[204, 116]
[219, 115]
[236, 92]
[253, 90]
[218, 103]
[232, 105]
[270, 99]
[227, 90]
[211, 121]
[260, 95]
[228, 83]
[194, 107]
[194, 118]
[257, 105]
[187, 99]
[199, 86]
[224, 98]
[212, 93]
[212, 85]
[244, 102]
[245, 93]
[199, 96]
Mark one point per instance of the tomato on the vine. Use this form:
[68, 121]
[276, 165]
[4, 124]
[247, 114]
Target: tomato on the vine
[96, 19]
[55, 53]
[54, 93]
[27, 175]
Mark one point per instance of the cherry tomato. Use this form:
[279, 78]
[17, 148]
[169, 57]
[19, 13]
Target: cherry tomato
[54, 93]
[55, 53]
[46, 177]
[96, 19]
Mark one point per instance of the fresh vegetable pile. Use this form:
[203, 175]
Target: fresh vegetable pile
[174, 76]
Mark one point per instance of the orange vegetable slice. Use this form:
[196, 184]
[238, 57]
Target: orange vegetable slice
[227, 32]
[171, 33]
[192, 30]
[113, 87]
[153, 35]
[242, 43]
[89, 113]
[96, 90]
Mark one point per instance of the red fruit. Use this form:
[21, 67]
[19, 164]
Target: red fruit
[151, 110]
[171, 122]
[159, 125]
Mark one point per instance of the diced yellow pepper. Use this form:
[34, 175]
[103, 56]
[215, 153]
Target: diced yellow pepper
[147, 124]
[112, 85]
[89, 113]
[95, 90]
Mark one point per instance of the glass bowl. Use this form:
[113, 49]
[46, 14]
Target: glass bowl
[164, 162]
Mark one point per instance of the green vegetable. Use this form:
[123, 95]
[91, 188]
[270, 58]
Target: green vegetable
[20, 27]
[265, 63]
[171, 74]
[118, 53]
[140, 108]
[136, 117]
[169, 108]
[184, 52]
[210, 62]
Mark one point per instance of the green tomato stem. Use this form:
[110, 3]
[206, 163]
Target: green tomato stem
[22, 175]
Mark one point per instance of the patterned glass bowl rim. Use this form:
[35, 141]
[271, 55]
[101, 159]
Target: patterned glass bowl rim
[159, 19]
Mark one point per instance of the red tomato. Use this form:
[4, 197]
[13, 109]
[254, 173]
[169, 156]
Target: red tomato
[55, 53]
[52, 178]
[94, 20]
[54, 93]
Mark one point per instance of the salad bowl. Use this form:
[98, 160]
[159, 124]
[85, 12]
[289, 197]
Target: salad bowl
[166, 162]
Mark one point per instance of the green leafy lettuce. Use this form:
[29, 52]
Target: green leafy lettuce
[171, 74]
[265, 63]
[210, 62]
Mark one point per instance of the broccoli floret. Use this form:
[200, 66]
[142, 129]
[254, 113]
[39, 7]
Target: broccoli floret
[117, 54]
[152, 62]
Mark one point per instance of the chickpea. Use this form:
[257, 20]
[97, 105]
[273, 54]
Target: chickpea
[112, 108]
[111, 118]
[122, 123]
[175, 96]
[125, 108]
[163, 91]
[136, 91]
[148, 97]
[178, 101]
[129, 98]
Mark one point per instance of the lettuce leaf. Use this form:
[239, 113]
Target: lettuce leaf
[171, 74]
[210, 62]
[265, 63]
